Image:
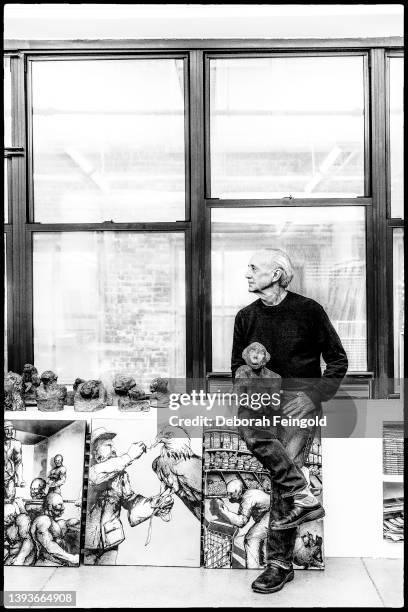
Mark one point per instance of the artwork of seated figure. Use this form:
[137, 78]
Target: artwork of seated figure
[135, 400]
[89, 395]
[159, 393]
[250, 378]
[31, 380]
[121, 385]
[50, 395]
[13, 392]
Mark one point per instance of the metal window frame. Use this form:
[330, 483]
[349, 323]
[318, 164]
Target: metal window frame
[197, 227]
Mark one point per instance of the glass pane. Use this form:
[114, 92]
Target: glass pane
[287, 126]
[7, 102]
[397, 136]
[107, 302]
[108, 140]
[398, 299]
[327, 249]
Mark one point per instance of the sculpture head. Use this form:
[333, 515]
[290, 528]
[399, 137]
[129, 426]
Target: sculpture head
[29, 371]
[13, 383]
[136, 393]
[122, 383]
[48, 377]
[54, 505]
[10, 514]
[90, 389]
[78, 381]
[37, 488]
[267, 268]
[58, 460]
[255, 355]
[9, 431]
[235, 489]
[159, 385]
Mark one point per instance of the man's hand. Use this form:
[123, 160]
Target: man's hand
[162, 505]
[136, 450]
[300, 406]
[21, 484]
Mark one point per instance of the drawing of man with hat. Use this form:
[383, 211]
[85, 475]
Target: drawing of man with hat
[109, 492]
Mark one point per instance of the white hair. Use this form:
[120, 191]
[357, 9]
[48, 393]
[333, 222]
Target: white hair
[282, 260]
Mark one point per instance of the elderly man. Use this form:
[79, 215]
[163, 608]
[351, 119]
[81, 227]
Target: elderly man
[253, 503]
[110, 491]
[296, 332]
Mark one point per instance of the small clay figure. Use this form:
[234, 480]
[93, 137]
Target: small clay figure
[159, 393]
[13, 392]
[135, 401]
[50, 395]
[89, 395]
[256, 356]
[121, 385]
[31, 380]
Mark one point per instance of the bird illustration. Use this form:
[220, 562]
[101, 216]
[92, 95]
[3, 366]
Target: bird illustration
[179, 468]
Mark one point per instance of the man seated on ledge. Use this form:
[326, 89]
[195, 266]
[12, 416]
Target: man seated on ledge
[296, 332]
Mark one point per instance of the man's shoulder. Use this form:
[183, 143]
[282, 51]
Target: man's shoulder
[305, 302]
[41, 522]
[23, 521]
[248, 310]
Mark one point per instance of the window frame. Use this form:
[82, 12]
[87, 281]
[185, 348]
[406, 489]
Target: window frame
[197, 224]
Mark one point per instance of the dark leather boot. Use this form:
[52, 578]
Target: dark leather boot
[272, 579]
[298, 515]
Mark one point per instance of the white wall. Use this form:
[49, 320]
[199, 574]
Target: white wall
[69, 442]
[93, 21]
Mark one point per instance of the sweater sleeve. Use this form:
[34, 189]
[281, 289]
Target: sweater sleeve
[334, 356]
[238, 344]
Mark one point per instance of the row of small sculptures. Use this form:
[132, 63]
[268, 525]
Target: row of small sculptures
[30, 389]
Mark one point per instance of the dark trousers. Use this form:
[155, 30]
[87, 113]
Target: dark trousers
[282, 451]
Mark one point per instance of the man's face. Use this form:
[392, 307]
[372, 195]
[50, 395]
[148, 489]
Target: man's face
[234, 495]
[105, 450]
[57, 508]
[58, 461]
[8, 433]
[37, 490]
[261, 274]
[256, 356]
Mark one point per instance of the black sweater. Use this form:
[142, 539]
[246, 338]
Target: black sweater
[296, 333]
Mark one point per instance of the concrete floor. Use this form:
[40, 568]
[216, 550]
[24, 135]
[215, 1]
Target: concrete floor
[352, 582]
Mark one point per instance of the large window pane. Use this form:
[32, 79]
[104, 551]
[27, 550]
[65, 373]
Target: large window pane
[108, 302]
[398, 299]
[287, 126]
[108, 140]
[397, 136]
[7, 102]
[327, 248]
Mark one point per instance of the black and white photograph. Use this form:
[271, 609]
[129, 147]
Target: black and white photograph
[204, 286]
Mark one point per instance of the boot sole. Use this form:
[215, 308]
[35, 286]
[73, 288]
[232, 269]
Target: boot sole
[280, 586]
[310, 516]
